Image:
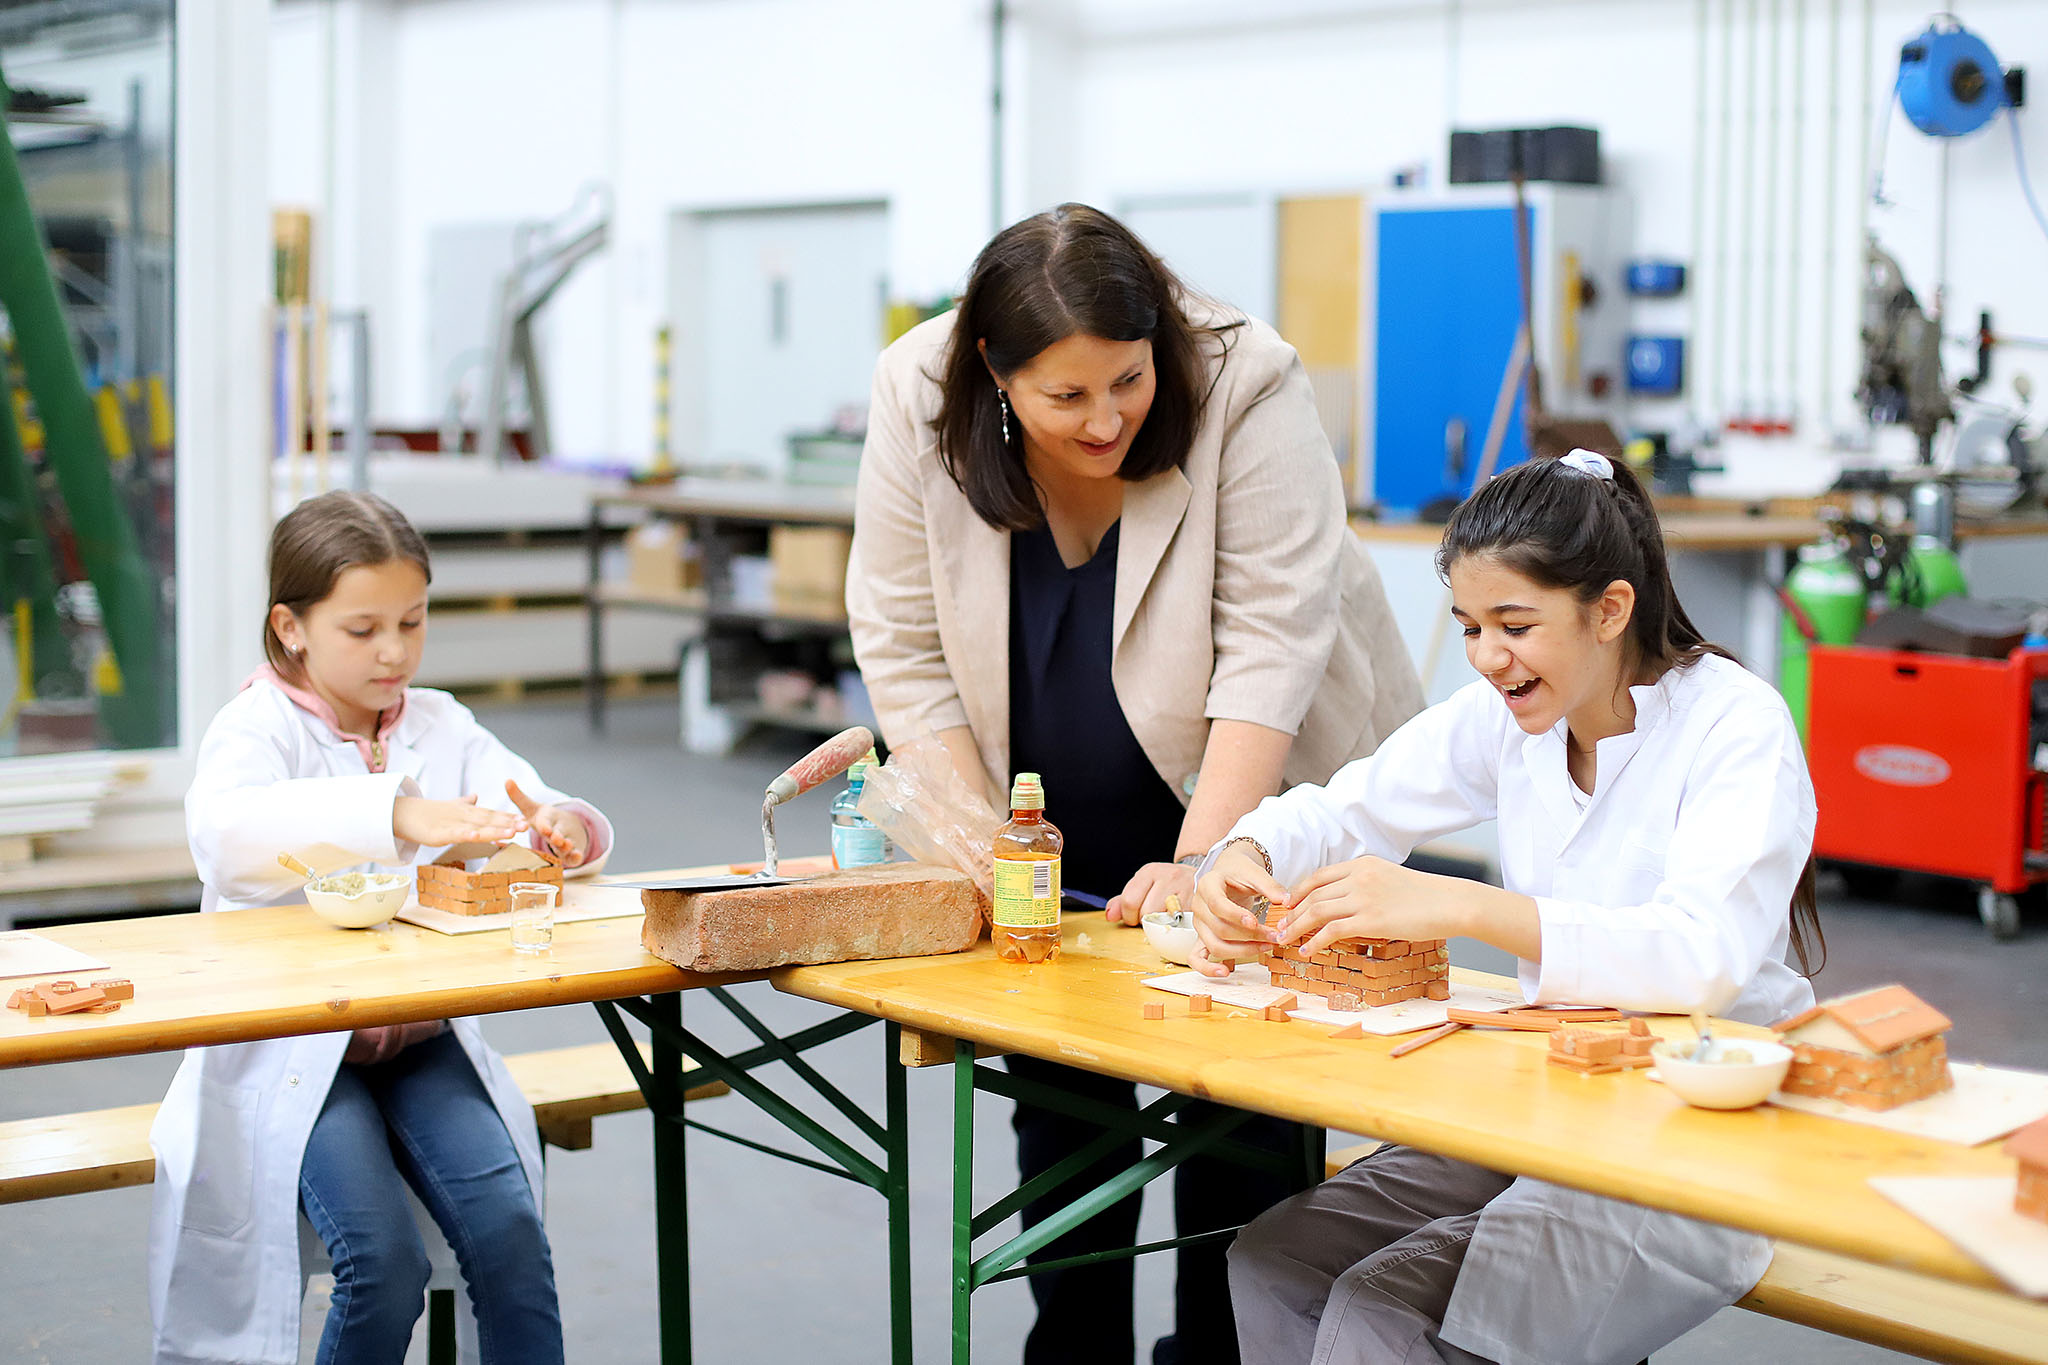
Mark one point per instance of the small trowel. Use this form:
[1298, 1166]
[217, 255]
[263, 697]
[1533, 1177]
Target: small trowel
[828, 760]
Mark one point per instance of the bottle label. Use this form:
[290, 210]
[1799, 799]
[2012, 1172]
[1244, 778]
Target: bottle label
[1027, 893]
[859, 845]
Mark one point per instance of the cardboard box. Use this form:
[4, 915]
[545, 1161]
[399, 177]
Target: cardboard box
[659, 558]
[810, 563]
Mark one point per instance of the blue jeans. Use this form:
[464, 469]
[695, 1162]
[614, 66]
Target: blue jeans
[424, 1118]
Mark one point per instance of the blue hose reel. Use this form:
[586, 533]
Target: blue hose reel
[1949, 83]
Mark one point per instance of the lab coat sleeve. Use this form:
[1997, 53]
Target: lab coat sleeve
[244, 808]
[1280, 530]
[891, 611]
[1743, 836]
[487, 764]
[1437, 774]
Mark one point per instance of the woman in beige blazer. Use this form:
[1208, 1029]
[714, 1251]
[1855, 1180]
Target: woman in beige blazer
[1100, 535]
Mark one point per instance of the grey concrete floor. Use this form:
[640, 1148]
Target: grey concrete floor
[790, 1264]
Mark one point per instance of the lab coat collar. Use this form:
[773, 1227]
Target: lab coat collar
[1547, 758]
[314, 705]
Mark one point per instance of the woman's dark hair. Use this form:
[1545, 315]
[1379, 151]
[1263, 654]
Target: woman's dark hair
[1071, 270]
[1562, 527]
[316, 541]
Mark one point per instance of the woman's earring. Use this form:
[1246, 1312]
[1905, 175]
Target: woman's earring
[1003, 406]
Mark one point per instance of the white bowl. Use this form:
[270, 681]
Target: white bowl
[382, 896]
[1712, 1084]
[1175, 945]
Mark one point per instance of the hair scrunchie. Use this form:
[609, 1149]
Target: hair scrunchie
[1590, 463]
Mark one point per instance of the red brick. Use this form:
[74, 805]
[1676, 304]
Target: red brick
[117, 988]
[1154, 1009]
[892, 910]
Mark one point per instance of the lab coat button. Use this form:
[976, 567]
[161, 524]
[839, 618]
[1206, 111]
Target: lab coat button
[291, 1080]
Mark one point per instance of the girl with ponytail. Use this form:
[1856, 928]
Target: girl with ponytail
[1656, 826]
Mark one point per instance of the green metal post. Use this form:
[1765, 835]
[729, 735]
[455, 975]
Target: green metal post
[25, 572]
[78, 456]
[671, 1183]
[963, 1203]
[896, 1159]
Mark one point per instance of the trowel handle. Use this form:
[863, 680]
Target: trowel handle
[829, 759]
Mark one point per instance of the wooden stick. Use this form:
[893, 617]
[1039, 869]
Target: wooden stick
[1577, 1014]
[1528, 1023]
[1440, 1031]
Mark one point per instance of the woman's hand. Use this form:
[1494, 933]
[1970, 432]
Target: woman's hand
[1365, 898]
[1229, 932]
[567, 837]
[1148, 889]
[431, 824]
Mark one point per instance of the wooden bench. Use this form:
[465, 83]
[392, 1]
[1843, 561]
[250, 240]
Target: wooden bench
[107, 1149]
[1900, 1311]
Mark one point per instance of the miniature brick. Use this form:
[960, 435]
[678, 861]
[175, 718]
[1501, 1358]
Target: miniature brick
[1198, 1003]
[72, 1000]
[1275, 1014]
[1438, 990]
[59, 987]
[35, 1006]
[1154, 1010]
[117, 988]
[1346, 998]
[1287, 1002]
[18, 1000]
[104, 1007]
[1351, 1030]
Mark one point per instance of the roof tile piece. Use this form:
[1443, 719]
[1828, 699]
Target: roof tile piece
[1883, 1018]
[2029, 1146]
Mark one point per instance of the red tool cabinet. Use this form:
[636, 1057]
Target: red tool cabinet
[1927, 763]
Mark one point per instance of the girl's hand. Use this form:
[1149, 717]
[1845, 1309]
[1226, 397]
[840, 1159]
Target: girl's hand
[1364, 898]
[1149, 887]
[431, 824]
[567, 837]
[1229, 932]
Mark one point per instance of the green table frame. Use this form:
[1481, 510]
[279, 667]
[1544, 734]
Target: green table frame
[1152, 1123]
[661, 1080]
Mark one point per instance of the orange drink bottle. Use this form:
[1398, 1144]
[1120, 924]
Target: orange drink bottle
[1027, 868]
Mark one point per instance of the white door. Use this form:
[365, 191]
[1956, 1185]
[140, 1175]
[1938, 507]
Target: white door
[1223, 245]
[779, 316]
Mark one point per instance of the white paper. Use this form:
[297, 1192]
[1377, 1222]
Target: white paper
[1249, 987]
[579, 902]
[1986, 1102]
[1976, 1213]
[23, 953]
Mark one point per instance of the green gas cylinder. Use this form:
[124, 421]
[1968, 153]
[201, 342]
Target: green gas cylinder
[1827, 587]
[1932, 572]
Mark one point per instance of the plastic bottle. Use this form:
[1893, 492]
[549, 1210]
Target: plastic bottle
[1027, 876]
[856, 840]
[1831, 592]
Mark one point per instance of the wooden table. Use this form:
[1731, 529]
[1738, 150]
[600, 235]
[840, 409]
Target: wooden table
[1485, 1097]
[243, 975]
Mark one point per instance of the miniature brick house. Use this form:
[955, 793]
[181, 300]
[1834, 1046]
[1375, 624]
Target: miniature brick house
[1877, 1049]
[449, 885]
[1359, 973]
[2029, 1147]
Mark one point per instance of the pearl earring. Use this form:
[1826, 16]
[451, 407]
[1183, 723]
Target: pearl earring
[1003, 406]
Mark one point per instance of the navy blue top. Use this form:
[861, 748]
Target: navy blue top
[1065, 721]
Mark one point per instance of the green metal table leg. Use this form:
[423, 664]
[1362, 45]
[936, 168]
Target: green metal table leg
[671, 1185]
[963, 1203]
[896, 1161]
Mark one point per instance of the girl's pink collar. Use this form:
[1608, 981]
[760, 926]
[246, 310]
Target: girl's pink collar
[374, 748]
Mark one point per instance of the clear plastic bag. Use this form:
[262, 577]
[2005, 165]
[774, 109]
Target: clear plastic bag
[921, 802]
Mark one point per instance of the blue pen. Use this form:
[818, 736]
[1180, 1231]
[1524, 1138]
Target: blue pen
[1083, 898]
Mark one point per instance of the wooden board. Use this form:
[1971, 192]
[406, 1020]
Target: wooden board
[1977, 1215]
[23, 953]
[1902, 1312]
[580, 901]
[1987, 1102]
[1479, 1095]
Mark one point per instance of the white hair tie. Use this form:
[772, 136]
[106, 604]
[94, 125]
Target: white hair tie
[1589, 462]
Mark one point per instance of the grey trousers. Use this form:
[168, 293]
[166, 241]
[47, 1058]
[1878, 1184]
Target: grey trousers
[1359, 1270]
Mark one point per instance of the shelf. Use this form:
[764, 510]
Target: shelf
[789, 718]
[694, 602]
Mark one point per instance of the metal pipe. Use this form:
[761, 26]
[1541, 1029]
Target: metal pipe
[1696, 252]
[1831, 185]
[1724, 338]
[998, 21]
[1767, 274]
[1795, 237]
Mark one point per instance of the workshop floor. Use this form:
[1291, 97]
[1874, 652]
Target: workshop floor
[790, 1264]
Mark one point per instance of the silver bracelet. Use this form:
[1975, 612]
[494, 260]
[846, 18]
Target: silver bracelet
[1257, 848]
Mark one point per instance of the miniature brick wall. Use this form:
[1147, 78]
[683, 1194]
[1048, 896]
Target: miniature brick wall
[1886, 1081]
[1360, 973]
[1597, 1051]
[461, 892]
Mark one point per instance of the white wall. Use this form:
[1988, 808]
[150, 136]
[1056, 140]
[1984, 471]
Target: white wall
[503, 108]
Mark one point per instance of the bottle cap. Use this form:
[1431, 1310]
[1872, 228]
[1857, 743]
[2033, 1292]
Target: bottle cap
[1026, 793]
[858, 773]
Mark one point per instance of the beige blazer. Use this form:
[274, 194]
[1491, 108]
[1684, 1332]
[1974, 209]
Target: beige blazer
[1241, 594]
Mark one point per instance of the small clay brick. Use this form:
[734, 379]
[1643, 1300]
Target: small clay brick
[117, 988]
[70, 1001]
[1640, 1027]
[1154, 1010]
[1438, 990]
[59, 987]
[1346, 999]
[1275, 1014]
[1351, 1030]
[1287, 1002]
[1198, 1004]
[18, 1000]
[104, 1007]
[35, 1006]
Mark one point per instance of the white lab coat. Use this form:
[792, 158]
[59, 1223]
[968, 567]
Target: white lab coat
[1668, 892]
[224, 1278]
